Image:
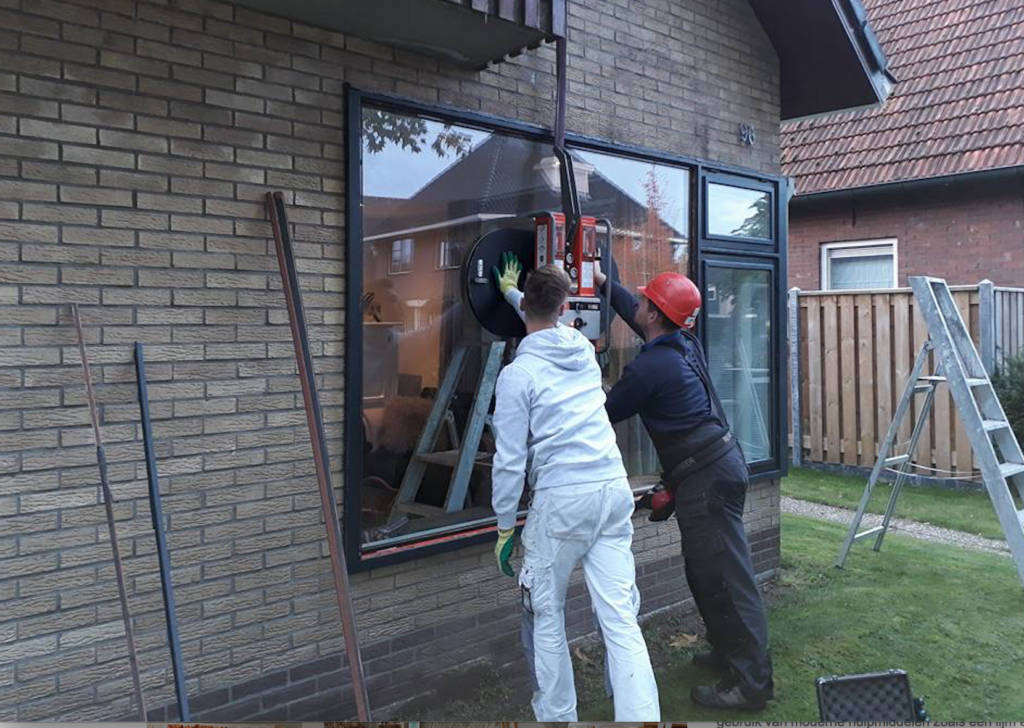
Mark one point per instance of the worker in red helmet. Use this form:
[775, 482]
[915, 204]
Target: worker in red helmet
[704, 482]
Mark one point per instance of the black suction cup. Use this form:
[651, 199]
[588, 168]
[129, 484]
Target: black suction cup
[485, 300]
[480, 290]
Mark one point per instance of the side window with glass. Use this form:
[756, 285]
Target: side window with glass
[738, 302]
[739, 212]
[741, 261]
[859, 265]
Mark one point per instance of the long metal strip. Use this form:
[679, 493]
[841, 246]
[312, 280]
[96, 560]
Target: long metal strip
[156, 510]
[562, 62]
[108, 504]
[293, 296]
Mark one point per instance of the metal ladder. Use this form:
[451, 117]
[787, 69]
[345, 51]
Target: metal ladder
[466, 456]
[982, 414]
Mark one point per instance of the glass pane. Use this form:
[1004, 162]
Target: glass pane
[869, 271]
[739, 212]
[739, 353]
[429, 188]
[649, 208]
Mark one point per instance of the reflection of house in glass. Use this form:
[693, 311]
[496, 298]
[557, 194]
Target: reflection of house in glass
[502, 178]
[413, 314]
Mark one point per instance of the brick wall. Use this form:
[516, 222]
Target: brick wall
[965, 232]
[137, 138]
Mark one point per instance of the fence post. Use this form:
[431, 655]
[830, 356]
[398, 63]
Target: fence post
[794, 375]
[987, 324]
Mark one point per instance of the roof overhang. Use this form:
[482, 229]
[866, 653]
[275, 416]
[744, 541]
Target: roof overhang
[829, 57]
[467, 32]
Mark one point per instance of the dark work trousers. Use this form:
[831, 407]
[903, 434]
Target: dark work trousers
[720, 572]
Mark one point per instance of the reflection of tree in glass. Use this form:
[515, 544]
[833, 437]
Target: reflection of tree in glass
[756, 224]
[381, 128]
[644, 245]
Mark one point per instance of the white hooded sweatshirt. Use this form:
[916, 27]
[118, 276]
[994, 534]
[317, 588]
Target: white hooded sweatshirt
[549, 418]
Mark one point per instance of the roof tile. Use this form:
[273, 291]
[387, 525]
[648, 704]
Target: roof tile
[957, 106]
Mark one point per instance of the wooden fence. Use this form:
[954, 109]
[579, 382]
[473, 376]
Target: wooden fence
[851, 354]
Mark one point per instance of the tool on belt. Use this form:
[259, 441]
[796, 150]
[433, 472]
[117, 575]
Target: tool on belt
[661, 498]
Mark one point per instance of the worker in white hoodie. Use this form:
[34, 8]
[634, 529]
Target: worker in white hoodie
[550, 421]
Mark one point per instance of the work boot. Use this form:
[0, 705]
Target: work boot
[710, 660]
[726, 695]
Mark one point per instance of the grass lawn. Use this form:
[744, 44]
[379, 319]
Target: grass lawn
[952, 618]
[962, 510]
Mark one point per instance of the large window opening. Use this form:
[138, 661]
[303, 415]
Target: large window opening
[428, 188]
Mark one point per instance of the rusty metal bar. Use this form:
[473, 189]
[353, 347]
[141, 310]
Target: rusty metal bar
[296, 315]
[108, 503]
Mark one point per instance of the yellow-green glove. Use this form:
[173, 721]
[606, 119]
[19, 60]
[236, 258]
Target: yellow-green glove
[508, 277]
[503, 550]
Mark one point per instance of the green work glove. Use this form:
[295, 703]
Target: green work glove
[508, 278]
[503, 550]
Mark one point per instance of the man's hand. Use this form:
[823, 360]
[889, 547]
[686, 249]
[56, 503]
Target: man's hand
[508, 277]
[599, 277]
[503, 550]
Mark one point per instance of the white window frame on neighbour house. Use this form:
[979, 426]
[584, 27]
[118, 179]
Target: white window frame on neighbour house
[445, 248]
[858, 249]
[407, 263]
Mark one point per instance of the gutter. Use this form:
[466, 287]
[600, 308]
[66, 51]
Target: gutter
[913, 185]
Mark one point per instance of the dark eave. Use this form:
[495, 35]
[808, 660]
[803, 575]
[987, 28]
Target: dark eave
[829, 57]
[472, 33]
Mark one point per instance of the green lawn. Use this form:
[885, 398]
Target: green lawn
[962, 510]
[952, 618]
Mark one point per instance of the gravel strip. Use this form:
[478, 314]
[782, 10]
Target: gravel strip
[923, 531]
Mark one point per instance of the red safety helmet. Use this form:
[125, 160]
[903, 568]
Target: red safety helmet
[676, 296]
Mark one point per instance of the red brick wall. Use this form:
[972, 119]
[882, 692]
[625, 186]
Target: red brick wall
[964, 232]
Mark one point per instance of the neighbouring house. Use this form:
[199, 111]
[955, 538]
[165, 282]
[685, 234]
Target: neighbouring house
[930, 183]
[137, 140]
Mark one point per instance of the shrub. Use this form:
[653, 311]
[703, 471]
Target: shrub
[1009, 385]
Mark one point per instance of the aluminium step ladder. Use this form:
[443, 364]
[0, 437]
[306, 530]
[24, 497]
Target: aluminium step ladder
[975, 399]
[466, 456]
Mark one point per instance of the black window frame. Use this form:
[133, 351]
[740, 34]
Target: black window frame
[701, 245]
[737, 242]
[731, 252]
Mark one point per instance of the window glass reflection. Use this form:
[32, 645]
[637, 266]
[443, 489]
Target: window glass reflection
[430, 190]
[739, 212]
[739, 352]
[649, 208]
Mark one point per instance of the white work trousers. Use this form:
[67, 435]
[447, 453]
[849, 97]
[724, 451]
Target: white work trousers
[588, 524]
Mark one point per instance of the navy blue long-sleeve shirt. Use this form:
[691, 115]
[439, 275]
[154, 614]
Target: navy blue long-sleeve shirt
[661, 386]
